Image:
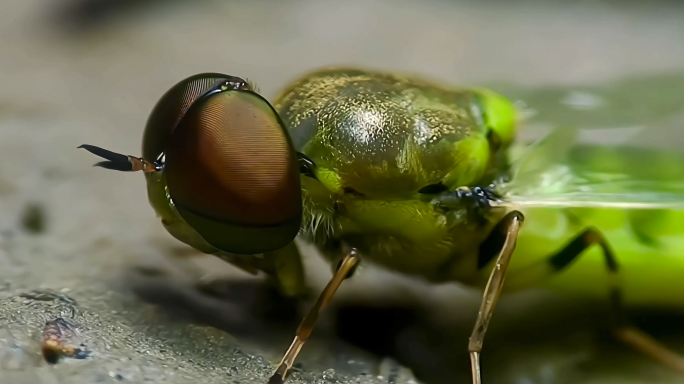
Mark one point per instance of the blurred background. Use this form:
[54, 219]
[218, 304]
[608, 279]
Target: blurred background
[90, 71]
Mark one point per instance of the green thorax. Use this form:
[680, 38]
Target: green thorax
[384, 134]
[377, 139]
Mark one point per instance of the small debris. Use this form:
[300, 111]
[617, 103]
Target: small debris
[116, 376]
[58, 341]
[48, 295]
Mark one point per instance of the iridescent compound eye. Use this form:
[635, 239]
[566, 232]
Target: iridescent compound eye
[230, 168]
[233, 175]
[175, 103]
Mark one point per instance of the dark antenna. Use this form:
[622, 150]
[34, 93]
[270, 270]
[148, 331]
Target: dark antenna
[119, 162]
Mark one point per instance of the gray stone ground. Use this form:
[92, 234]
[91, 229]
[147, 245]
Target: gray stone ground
[71, 257]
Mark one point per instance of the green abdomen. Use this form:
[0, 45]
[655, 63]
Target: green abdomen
[649, 246]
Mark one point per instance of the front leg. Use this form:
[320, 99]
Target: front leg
[276, 299]
[283, 267]
[307, 325]
[287, 269]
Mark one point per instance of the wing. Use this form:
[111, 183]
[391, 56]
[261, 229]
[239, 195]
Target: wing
[616, 167]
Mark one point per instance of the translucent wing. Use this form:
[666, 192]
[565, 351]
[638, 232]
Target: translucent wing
[557, 171]
[625, 155]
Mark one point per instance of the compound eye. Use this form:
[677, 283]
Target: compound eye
[171, 108]
[233, 174]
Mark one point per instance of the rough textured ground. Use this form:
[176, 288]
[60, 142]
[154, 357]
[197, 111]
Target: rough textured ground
[69, 234]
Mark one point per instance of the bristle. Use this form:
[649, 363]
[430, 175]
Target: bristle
[316, 220]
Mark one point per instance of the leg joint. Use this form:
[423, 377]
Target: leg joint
[579, 244]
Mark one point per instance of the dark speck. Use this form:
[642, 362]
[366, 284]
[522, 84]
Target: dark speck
[80, 15]
[33, 219]
[148, 271]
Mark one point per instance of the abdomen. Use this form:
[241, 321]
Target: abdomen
[649, 246]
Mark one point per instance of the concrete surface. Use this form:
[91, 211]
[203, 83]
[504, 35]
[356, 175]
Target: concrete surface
[62, 86]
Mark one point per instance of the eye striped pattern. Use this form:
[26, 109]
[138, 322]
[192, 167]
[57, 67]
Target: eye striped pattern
[245, 147]
[230, 160]
[171, 108]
